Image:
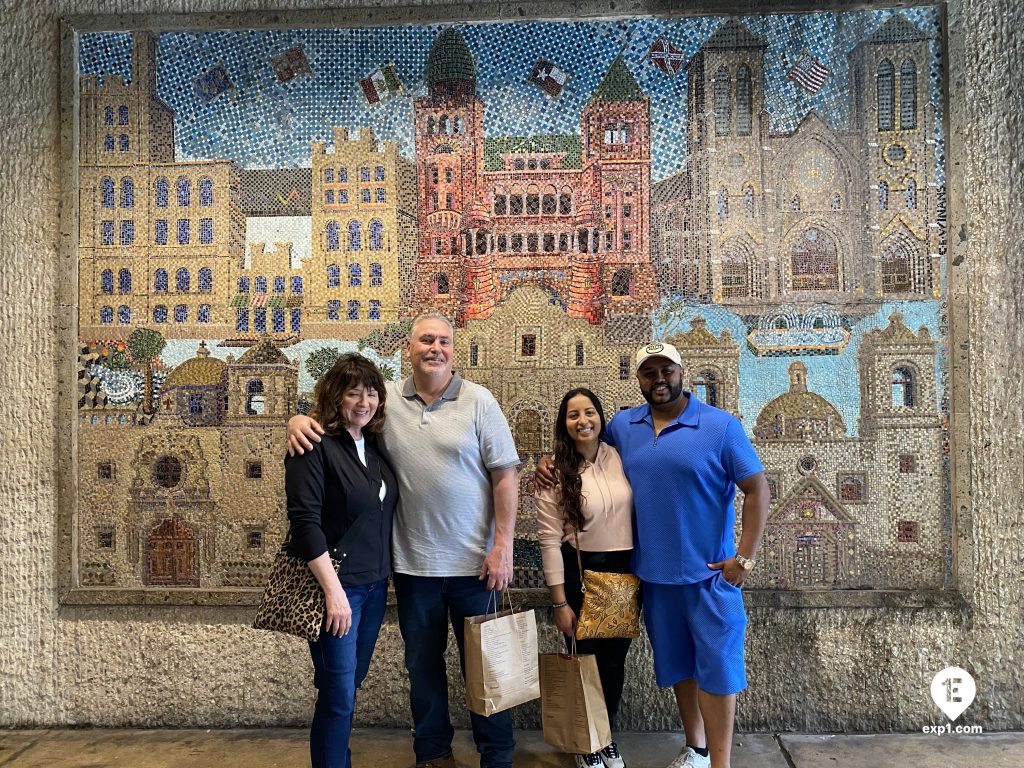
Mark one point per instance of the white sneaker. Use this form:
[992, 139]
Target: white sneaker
[690, 759]
[611, 758]
[593, 760]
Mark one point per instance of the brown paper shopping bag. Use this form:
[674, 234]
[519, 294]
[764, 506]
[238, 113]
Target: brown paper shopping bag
[572, 707]
[501, 661]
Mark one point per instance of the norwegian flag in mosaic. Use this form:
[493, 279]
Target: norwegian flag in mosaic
[809, 73]
[290, 64]
[667, 57]
[212, 83]
[548, 78]
[380, 84]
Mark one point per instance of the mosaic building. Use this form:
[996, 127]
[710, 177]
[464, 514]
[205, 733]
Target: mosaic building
[844, 214]
[568, 213]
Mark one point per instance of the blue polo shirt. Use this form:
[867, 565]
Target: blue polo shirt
[684, 481]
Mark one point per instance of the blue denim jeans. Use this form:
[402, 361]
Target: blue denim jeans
[340, 665]
[425, 606]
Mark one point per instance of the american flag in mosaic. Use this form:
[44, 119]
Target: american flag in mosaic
[809, 73]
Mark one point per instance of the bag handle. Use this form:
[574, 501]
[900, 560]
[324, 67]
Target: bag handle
[495, 598]
[579, 560]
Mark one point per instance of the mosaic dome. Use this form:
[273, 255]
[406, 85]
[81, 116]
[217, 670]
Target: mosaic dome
[450, 59]
[199, 371]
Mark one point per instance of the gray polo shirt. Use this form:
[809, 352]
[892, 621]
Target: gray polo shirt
[443, 455]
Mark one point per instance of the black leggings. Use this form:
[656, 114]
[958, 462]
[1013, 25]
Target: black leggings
[610, 652]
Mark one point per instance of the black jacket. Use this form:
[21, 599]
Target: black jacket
[329, 491]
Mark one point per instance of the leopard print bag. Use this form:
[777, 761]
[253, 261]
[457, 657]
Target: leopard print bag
[293, 601]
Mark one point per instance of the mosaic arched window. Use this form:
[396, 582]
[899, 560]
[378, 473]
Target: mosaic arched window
[259, 319]
[279, 284]
[431, 127]
[908, 95]
[722, 204]
[127, 232]
[896, 259]
[376, 235]
[723, 102]
[355, 239]
[162, 188]
[883, 195]
[744, 102]
[376, 275]
[296, 320]
[254, 400]
[910, 194]
[205, 280]
[794, 204]
[160, 280]
[440, 284]
[343, 175]
[184, 231]
[160, 231]
[123, 142]
[333, 309]
[243, 285]
[124, 315]
[124, 281]
[815, 262]
[106, 315]
[108, 116]
[735, 277]
[364, 173]
[529, 432]
[297, 285]
[241, 319]
[261, 284]
[333, 276]
[333, 241]
[122, 115]
[127, 193]
[622, 282]
[108, 143]
[107, 281]
[206, 191]
[902, 388]
[353, 310]
[748, 201]
[107, 193]
[181, 313]
[184, 192]
[374, 311]
[355, 275]
[837, 202]
[564, 204]
[378, 173]
[183, 280]
[159, 314]
[277, 319]
[203, 315]
[885, 91]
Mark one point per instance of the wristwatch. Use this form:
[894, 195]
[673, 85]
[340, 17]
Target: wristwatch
[745, 562]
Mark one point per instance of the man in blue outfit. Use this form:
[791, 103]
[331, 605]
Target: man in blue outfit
[684, 460]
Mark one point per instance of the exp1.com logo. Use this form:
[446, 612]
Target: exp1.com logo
[953, 690]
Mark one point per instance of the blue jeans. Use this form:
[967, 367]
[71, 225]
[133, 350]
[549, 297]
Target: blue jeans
[340, 665]
[425, 606]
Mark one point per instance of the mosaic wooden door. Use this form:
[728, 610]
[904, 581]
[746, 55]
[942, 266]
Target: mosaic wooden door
[172, 558]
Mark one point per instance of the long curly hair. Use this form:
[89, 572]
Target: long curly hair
[350, 370]
[568, 459]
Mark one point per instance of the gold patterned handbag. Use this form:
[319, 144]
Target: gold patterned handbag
[611, 605]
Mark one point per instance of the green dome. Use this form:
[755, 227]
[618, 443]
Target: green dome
[450, 59]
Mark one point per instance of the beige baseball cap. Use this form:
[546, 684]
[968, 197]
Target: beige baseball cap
[657, 349]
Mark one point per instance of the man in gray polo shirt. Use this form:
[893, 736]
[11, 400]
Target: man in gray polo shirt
[452, 545]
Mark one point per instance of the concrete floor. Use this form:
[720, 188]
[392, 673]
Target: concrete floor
[385, 748]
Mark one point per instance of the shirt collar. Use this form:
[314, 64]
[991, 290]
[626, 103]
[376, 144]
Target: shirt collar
[690, 417]
[451, 392]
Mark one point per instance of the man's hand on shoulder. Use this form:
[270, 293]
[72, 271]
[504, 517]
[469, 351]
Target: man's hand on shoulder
[545, 476]
[302, 433]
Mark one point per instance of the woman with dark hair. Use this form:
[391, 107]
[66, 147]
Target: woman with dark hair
[341, 500]
[592, 501]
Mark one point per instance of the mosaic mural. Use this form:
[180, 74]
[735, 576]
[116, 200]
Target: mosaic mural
[767, 192]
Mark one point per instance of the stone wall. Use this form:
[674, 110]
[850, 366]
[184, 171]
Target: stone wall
[852, 664]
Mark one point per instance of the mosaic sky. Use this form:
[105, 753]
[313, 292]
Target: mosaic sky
[263, 123]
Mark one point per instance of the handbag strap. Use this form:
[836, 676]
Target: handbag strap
[579, 560]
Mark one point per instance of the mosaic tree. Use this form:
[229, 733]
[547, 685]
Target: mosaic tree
[144, 345]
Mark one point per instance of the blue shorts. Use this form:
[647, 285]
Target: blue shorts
[697, 631]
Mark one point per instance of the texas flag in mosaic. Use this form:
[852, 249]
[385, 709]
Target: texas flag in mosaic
[291, 63]
[809, 73]
[212, 83]
[380, 84]
[548, 78]
[667, 57]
